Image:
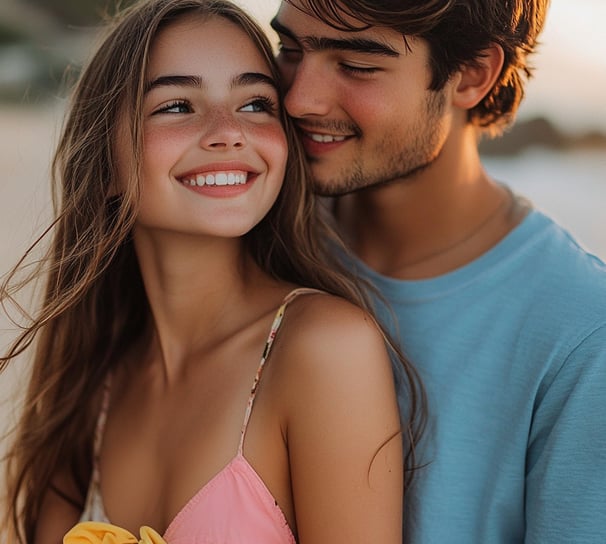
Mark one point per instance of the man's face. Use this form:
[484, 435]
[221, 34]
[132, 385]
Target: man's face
[360, 100]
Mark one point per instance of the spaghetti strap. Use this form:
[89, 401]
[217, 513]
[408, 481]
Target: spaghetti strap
[101, 420]
[266, 350]
[93, 505]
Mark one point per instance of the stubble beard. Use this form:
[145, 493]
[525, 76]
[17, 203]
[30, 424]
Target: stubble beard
[400, 160]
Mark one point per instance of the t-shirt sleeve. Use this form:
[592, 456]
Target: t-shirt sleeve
[566, 461]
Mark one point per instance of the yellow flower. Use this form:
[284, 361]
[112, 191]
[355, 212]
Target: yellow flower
[149, 536]
[93, 532]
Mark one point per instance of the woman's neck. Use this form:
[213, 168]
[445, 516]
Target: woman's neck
[196, 290]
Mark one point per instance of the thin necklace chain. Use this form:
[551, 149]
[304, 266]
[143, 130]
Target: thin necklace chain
[509, 204]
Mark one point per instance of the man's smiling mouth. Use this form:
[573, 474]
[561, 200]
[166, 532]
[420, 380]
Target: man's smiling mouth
[325, 138]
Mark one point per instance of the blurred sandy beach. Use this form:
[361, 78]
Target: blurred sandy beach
[27, 137]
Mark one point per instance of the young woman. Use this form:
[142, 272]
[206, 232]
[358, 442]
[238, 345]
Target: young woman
[183, 379]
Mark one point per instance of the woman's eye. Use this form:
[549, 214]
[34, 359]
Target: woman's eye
[178, 106]
[260, 105]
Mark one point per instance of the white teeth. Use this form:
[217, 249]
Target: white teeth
[326, 138]
[219, 178]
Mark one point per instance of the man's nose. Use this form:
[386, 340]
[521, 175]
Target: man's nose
[308, 90]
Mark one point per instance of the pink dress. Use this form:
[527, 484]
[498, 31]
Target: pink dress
[235, 506]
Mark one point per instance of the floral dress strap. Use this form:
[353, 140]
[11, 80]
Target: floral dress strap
[266, 350]
[93, 507]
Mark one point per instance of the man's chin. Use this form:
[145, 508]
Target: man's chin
[325, 182]
[332, 188]
[326, 191]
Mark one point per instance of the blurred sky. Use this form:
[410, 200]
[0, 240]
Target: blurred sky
[570, 82]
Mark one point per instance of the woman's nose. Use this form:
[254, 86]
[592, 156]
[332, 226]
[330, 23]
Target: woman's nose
[221, 130]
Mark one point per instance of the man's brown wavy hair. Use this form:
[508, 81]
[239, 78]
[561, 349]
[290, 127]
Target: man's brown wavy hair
[457, 32]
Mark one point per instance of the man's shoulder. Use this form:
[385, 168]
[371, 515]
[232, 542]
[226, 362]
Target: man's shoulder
[559, 257]
[561, 281]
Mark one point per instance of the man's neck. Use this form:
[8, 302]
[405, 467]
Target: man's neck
[445, 217]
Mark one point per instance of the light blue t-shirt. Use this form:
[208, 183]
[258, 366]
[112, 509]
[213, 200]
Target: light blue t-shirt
[512, 352]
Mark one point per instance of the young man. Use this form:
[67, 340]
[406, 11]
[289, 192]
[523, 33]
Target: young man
[501, 311]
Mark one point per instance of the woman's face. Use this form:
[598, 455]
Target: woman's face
[214, 149]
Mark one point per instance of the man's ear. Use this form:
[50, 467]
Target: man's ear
[474, 81]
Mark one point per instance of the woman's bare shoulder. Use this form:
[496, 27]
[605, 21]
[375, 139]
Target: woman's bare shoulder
[325, 314]
[325, 336]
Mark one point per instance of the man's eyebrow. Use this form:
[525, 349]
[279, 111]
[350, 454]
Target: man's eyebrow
[241, 80]
[353, 44]
[281, 29]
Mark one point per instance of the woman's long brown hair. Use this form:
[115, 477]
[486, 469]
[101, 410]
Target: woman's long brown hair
[94, 306]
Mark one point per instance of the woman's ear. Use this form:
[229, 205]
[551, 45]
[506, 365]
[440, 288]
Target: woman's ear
[474, 81]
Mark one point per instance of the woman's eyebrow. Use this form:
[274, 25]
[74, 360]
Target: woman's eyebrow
[240, 80]
[174, 81]
[252, 78]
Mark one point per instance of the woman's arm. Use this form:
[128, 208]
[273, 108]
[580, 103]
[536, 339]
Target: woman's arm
[344, 443]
